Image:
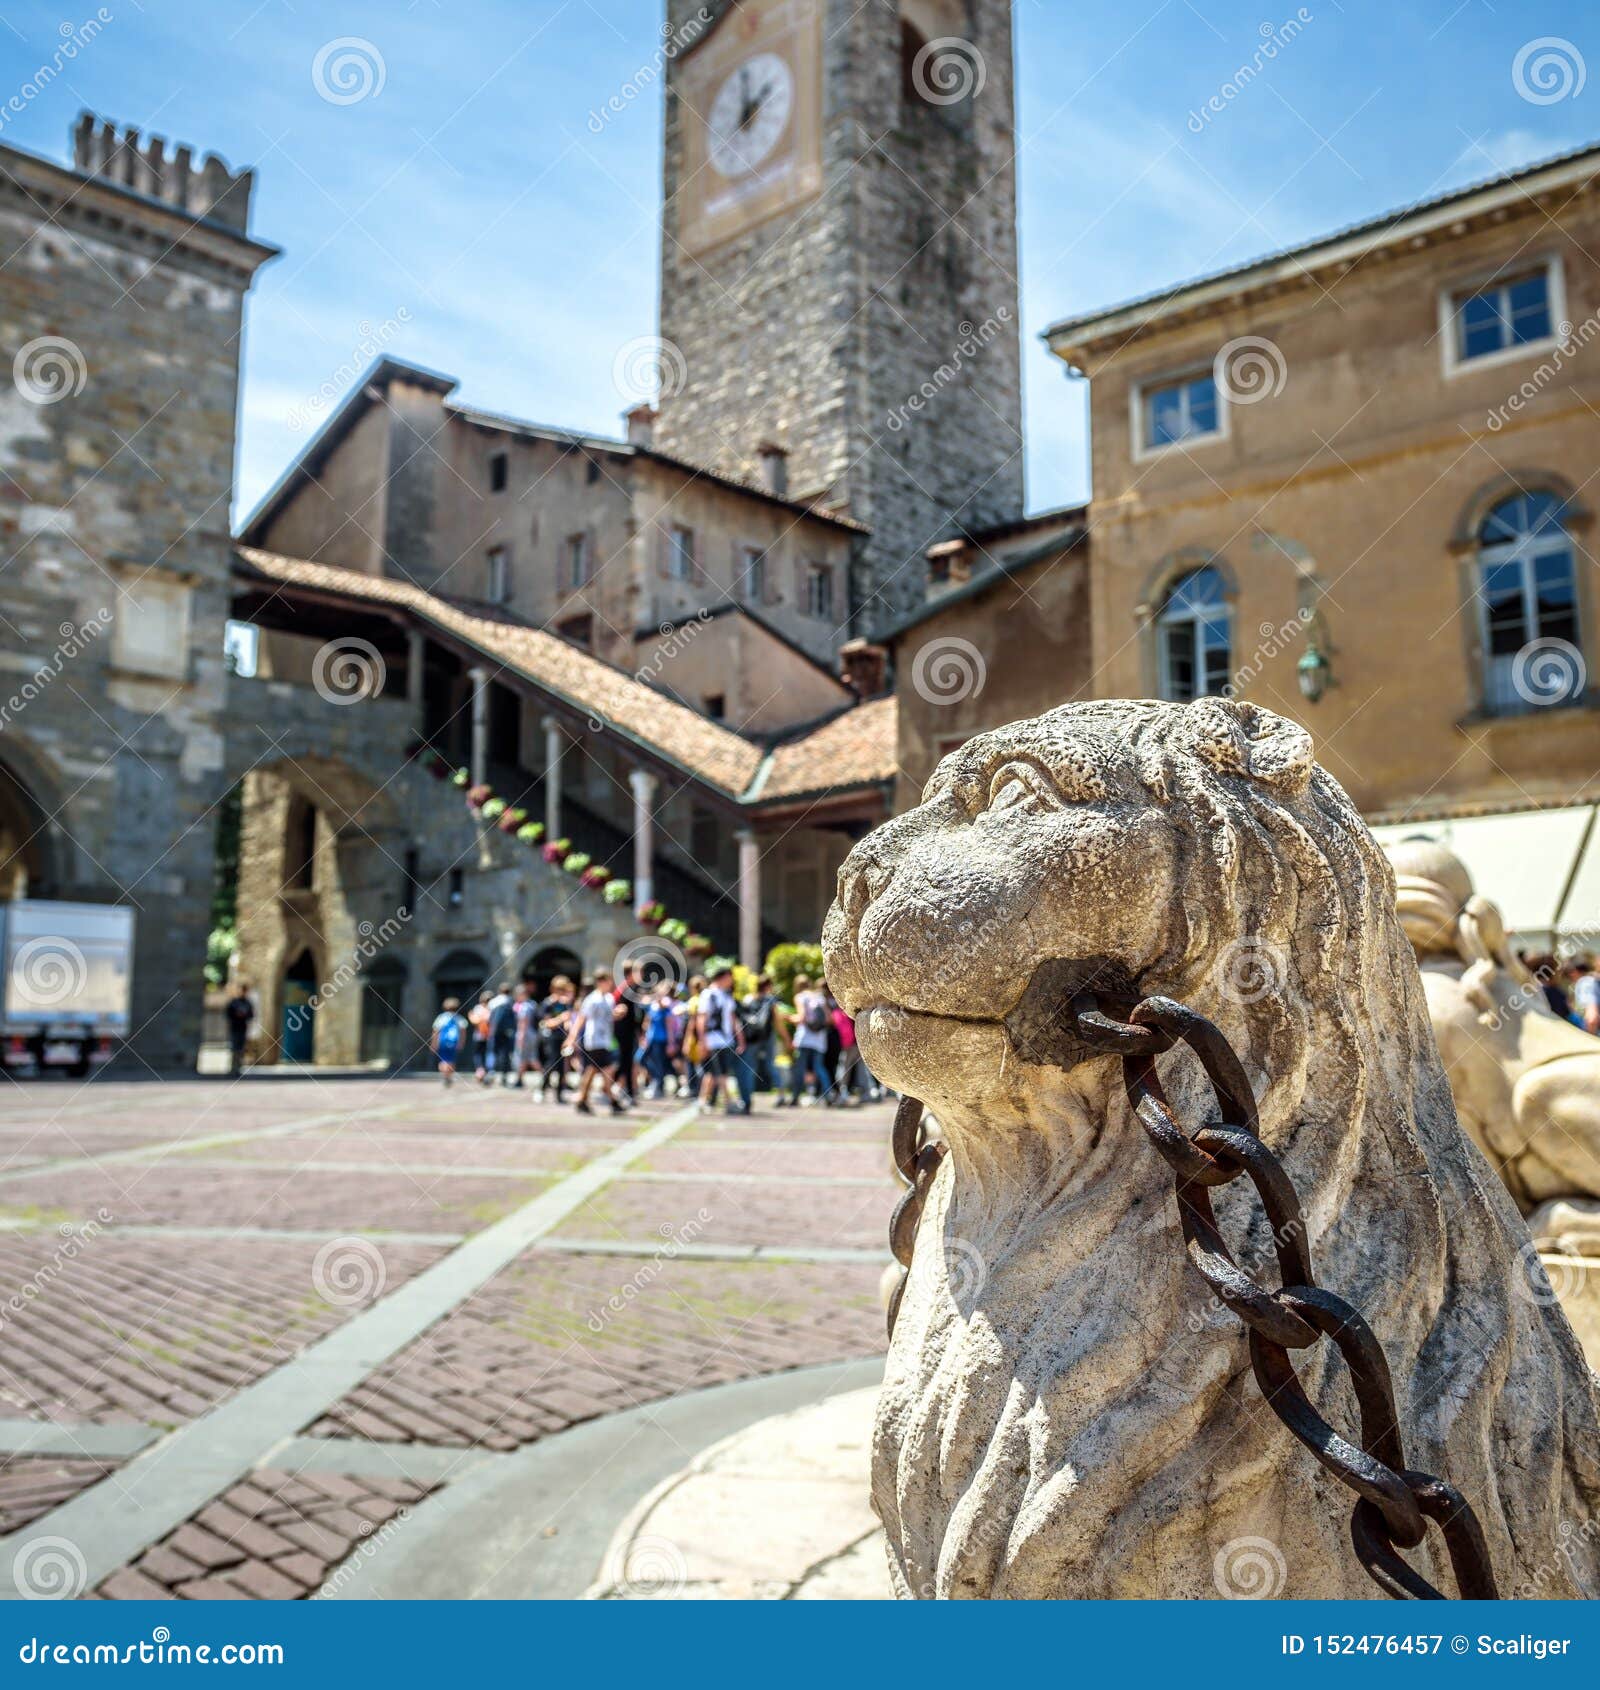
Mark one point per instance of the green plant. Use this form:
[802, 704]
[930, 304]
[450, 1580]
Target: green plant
[221, 943]
[674, 930]
[461, 778]
[784, 962]
[531, 834]
[493, 809]
[618, 891]
[577, 862]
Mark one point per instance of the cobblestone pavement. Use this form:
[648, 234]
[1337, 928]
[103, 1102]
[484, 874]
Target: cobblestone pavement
[341, 1296]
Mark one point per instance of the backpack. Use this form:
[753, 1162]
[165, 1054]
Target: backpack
[817, 1015]
[755, 1019]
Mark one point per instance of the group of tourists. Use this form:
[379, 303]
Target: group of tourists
[625, 1038]
[1571, 988]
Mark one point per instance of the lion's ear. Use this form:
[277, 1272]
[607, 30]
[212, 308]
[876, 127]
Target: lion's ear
[1244, 739]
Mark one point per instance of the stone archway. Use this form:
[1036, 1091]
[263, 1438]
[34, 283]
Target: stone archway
[33, 851]
[318, 846]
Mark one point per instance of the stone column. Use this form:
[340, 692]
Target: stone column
[749, 899]
[554, 745]
[480, 725]
[644, 786]
[416, 655]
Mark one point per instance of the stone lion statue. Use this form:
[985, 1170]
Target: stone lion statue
[1526, 1083]
[1066, 1413]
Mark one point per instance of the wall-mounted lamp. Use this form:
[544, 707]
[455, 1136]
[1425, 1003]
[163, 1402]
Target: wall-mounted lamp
[1315, 672]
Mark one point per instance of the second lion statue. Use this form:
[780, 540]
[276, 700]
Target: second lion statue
[1066, 1412]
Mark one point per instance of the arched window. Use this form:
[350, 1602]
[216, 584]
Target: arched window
[1193, 633]
[1528, 594]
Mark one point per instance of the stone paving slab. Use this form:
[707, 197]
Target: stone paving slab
[554, 1340]
[178, 1191]
[157, 1332]
[716, 1212]
[779, 1160]
[384, 1150]
[31, 1485]
[217, 1289]
[276, 1536]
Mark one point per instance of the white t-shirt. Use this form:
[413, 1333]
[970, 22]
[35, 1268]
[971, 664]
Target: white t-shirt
[809, 1038]
[1586, 991]
[720, 1012]
[597, 1022]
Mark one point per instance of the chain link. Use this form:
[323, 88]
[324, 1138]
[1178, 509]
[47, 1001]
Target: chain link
[1394, 1503]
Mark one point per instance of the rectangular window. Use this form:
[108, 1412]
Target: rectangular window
[819, 592]
[1503, 316]
[499, 471]
[578, 631]
[680, 554]
[753, 574]
[499, 575]
[241, 648]
[1180, 410]
[576, 560]
[717, 706]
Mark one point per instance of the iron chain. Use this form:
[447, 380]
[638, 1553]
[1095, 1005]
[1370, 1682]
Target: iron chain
[1394, 1503]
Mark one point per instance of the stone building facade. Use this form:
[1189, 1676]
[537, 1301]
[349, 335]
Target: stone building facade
[844, 287]
[122, 286]
[1393, 407]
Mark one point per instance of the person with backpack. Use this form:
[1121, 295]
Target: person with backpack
[448, 1037]
[812, 1025]
[718, 1026]
[758, 1022]
[502, 1035]
[478, 1017]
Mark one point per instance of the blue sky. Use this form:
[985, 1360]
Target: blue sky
[468, 214]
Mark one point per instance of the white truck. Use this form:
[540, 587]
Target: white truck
[66, 972]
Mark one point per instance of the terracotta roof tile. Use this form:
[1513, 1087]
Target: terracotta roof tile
[854, 749]
[714, 753]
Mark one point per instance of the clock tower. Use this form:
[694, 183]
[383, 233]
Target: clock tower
[839, 265]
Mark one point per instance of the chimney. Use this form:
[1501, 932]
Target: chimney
[122, 158]
[864, 668]
[641, 422]
[775, 469]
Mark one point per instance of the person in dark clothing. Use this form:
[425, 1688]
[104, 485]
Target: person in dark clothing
[555, 1020]
[503, 1035]
[631, 1014]
[240, 1012]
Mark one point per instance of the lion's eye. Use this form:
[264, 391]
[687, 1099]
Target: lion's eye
[1016, 784]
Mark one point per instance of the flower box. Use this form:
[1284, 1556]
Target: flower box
[557, 850]
[618, 891]
[651, 915]
[513, 820]
[532, 833]
[576, 862]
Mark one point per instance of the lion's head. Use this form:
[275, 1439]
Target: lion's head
[1051, 1331]
[1197, 848]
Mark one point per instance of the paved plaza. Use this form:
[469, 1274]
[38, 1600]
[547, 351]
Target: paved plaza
[254, 1334]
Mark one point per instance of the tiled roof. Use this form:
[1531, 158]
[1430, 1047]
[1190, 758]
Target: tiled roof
[713, 753]
[856, 748]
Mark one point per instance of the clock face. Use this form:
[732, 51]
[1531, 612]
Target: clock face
[749, 115]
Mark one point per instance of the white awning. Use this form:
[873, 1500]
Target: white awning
[1542, 867]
